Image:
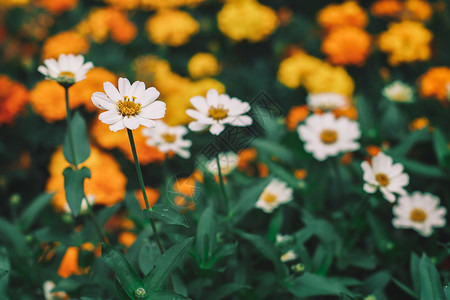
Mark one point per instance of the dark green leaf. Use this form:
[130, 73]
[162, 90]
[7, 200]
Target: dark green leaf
[409, 141]
[33, 210]
[74, 187]
[377, 281]
[12, 236]
[415, 277]
[430, 284]
[148, 256]
[120, 291]
[165, 265]
[80, 138]
[440, 147]
[206, 233]
[248, 198]
[309, 285]
[422, 169]
[273, 149]
[405, 288]
[226, 290]
[166, 214]
[166, 295]
[128, 278]
[4, 273]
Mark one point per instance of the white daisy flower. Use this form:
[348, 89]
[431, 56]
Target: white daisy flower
[67, 69]
[288, 256]
[398, 91]
[217, 110]
[326, 101]
[325, 136]
[91, 198]
[129, 106]
[168, 139]
[385, 175]
[420, 212]
[275, 193]
[228, 162]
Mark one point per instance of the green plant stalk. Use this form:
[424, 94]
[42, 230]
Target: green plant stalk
[141, 183]
[96, 224]
[69, 128]
[222, 186]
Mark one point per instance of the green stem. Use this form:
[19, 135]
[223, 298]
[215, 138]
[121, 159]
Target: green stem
[222, 186]
[141, 183]
[96, 224]
[69, 128]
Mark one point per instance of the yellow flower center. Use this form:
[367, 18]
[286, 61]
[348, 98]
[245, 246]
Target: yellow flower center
[168, 138]
[127, 107]
[269, 197]
[418, 215]
[218, 113]
[328, 136]
[382, 179]
[66, 74]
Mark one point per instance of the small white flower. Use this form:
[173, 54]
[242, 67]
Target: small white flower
[288, 256]
[325, 136]
[326, 101]
[217, 110]
[283, 238]
[385, 175]
[84, 206]
[275, 193]
[420, 212]
[397, 91]
[48, 286]
[228, 162]
[168, 139]
[129, 106]
[67, 69]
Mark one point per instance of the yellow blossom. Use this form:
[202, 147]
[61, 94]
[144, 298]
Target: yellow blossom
[348, 13]
[203, 65]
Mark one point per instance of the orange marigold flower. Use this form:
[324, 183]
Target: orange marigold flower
[386, 8]
[406, 42]
[348, 13]
[350, 112]
[152, 196]
[69, 264]
[185, 186]
[284, 15]
[58, 7]
[48, 100]
[160, 4]
[296, 115]
[419, 124]
[13, 98]
[435, 83]
[347, 158]
[347, 46]
[123, 5]
[300, 174]
[66, 42]
[127, 238]
[245, 157]
[107, 182]
[418, 10]
[263, 169]
[373, 150]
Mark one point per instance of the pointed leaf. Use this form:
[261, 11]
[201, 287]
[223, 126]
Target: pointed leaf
[33, 210]
[166, 295]
[74, 187]
[80, 139]
[4, 273]
[309, 285]
[148, 256]
[120, 291]
[166, 214]
[440, 147]
[430, 284]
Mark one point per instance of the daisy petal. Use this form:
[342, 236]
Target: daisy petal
[112, 92]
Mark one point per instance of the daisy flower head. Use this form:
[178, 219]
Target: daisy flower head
[129, 106]
[228, 162]
[67, 70]
[398, 91]
[168, 139]
[217, 110]
[326, 101]
[384, 175]
[275, 193]
[324, 135]
[419, 211]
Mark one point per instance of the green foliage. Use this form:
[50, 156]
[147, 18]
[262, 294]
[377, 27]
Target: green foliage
[81, 142]
[74, 187]
[166, 214]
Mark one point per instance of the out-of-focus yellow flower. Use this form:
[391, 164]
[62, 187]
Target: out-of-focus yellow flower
[66, 42]
[386, 8]
[294, 69]
[159, 4]
[13, 3]
[418, 10]
[107, 182]
[418, 124]
[127, 238]
[104, 21]
[58, 7]
[203, 65]
[152, 196]
[406, 42]
[434, 83]
[69, 264]
[47, 100]
[347, 46]
[171, 27]
[415, 10]
[348, 13]
[123, 5]
[330, 79]
[247, 20]
[13, 98]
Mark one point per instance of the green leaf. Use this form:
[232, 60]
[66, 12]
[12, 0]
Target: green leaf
[226, 290]
[33, 210]
[80, 139]
[268, 250]
[440, 147]
[4, 272]
[405, 288]
[148, 255]
[414, 267]
[309, 285]
[120, 291]
[14, 238]
[166, 214]
[74, 187]
[206, 233]
[430, 284]
[166, 264]
[422, 169]
[273, 149]
[248, 198]
[377, 281]
[275, 225]
[166, 295]
[128, 278]
[409, 141]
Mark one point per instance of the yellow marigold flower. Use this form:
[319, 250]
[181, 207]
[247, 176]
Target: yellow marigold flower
[127, 238]
[123, 5]
[13, 98]
[247, 20]
[348, 13]
[69, 264]
[406, 42]
[47, 100]
[13, 3]
[434, 83]
[58, 7]
[81, 92]
[296, 115]
[67, 42]
[152, 196]
[107, 182]
[203, 65]
[171, 27]
[329, 79]
[418, 10]
[418, 124]
[294, 69]
[347, 46]
[107, 139]
[159, 4]
[386, 8]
